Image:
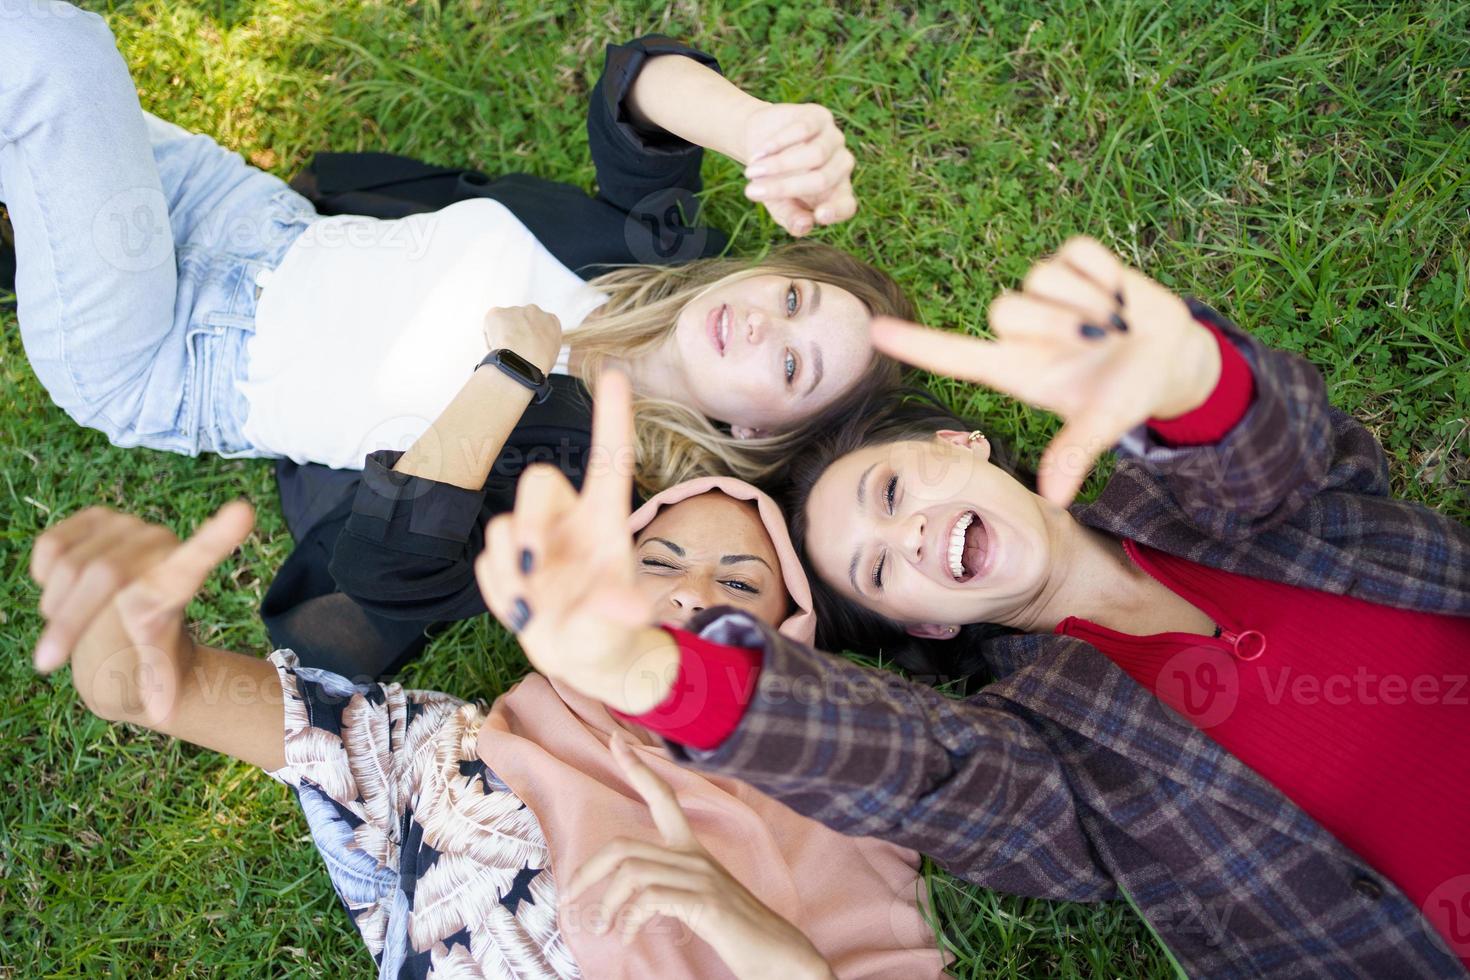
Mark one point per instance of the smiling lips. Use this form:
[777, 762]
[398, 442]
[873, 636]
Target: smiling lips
[717, 325]
[968, 547]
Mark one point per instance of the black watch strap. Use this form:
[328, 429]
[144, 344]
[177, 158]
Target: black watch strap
[523, 371]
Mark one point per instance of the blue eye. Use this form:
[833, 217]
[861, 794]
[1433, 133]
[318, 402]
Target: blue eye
[793, 300]
[790, 366]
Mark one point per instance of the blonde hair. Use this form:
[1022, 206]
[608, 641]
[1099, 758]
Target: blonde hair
[675, 442]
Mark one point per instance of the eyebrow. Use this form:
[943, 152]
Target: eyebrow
[863, 484]
[816, 369]
[816, 297]
[857, 553]
[670, 545]
[737, 559]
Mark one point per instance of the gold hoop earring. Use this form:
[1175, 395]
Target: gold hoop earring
[976, 436]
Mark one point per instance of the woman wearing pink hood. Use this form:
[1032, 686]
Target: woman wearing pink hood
[541, 838]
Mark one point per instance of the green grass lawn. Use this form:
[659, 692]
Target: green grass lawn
[1302, 165]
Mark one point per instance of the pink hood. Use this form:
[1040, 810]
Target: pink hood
[801, 625]
[859, 900]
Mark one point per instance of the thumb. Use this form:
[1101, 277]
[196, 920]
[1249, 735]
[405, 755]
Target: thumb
[171, 583]
[1073, 453]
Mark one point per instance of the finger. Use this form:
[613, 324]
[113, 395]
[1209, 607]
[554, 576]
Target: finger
[67, 567]
[838, 207]
[663, 805]
[1062, 285]
[176, 579]
[791, 215]
[1089, 257]
[544, 497]
[1001, 366]
[58, 539]
[613, 854]
[636, 876]
[800, 157]
[1023, 316]
[808, 126]
[84, 579]
[1075, 450]
[497, 571]
[607, 490]
[808, 184]
[675, 903]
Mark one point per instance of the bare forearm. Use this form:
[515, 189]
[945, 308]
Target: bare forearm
[217, 699]
[683, 97]
[461, 447]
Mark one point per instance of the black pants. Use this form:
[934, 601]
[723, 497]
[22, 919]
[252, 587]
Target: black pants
[304, 610]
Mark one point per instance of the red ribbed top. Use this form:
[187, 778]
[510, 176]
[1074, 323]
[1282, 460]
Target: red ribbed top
[1359, 713]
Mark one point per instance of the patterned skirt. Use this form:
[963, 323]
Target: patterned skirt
[441, 867]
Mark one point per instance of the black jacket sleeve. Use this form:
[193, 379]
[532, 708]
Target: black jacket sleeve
[634, 163]
[649, 178]
[407, 550]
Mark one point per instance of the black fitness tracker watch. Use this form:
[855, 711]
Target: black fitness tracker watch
[523, 371]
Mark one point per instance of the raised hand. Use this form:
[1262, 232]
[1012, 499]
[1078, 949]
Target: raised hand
[559, 571]
[114, 588]
[1088, 338]
[799, 166]
[683, 880]
[528, 330]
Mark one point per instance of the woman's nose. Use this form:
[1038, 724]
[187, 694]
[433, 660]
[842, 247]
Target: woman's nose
[755, 327]
[910, 535]
[688, 600]
[913, 538]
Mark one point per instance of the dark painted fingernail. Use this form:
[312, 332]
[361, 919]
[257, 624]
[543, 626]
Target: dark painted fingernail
[527, 561]
[520, 615]
[1092, 331]
[1118, 297]
[1119, 324]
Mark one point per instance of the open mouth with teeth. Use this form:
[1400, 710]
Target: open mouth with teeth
[967, 546]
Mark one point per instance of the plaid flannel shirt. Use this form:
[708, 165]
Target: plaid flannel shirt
[1065, 779]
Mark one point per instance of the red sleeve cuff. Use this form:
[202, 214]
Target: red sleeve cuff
[1225, 407]
[710, 695]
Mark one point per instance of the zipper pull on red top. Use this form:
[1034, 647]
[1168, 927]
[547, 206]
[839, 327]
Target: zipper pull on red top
[1247, 644]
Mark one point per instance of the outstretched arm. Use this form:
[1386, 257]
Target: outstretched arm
[1241, 435]
[659, 103]
[796, 157]
[114, 588]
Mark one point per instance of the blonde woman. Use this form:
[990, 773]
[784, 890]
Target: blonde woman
[174, 297]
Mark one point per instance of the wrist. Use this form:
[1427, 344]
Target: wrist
[643, 672]
[742, 151]
[493, 385]
[1198, 374]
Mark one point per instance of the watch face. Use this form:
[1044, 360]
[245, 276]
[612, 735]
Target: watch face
[522, 367]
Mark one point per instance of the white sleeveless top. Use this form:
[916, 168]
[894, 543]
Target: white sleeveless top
[368, 328]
